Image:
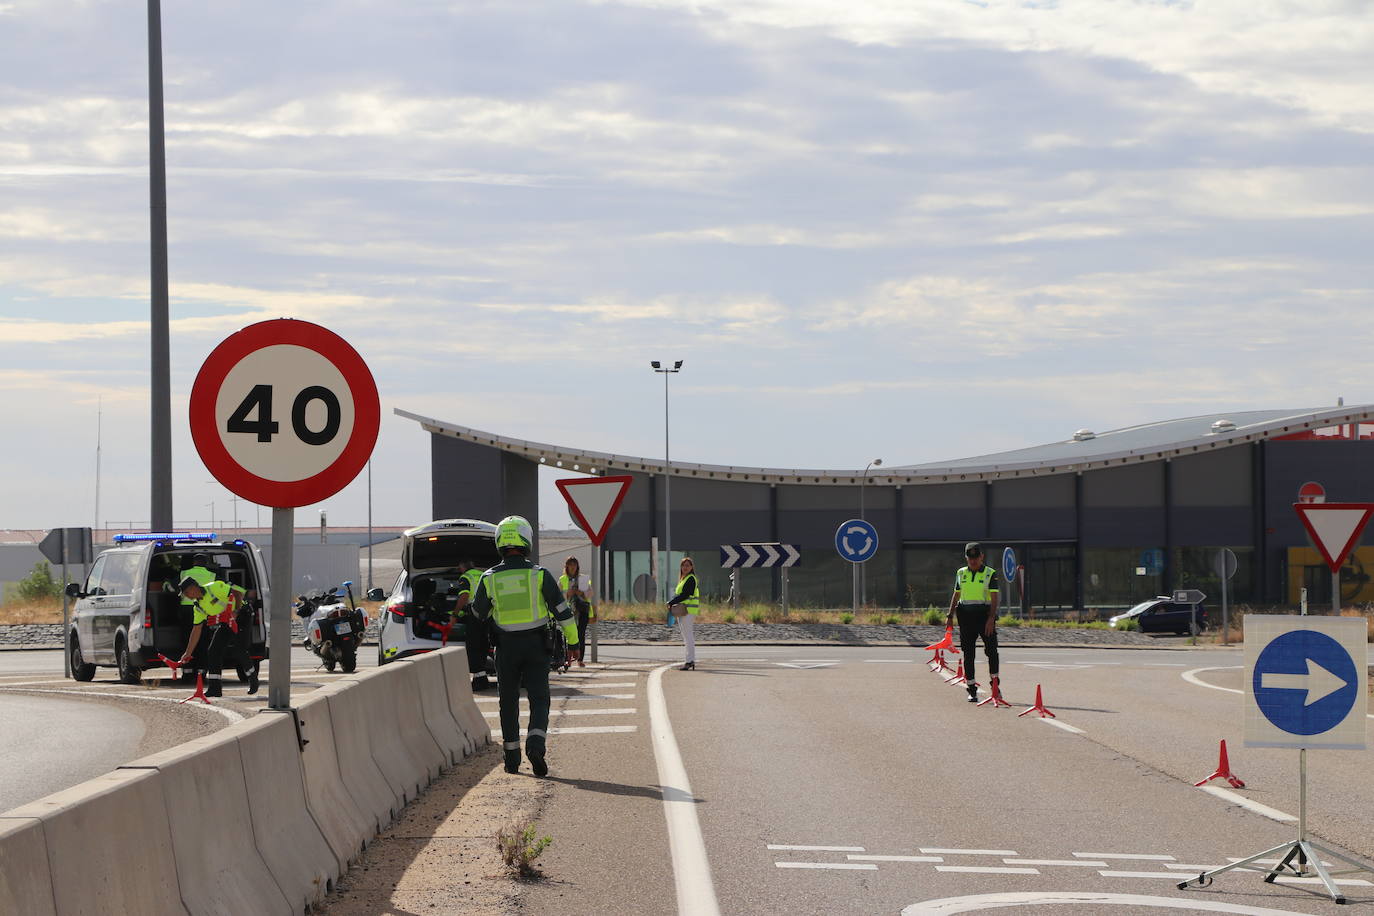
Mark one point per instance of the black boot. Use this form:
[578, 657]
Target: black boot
[513, 761]
[214, 687]
[972, 692]
[534, 749]
[253, 680]
[480, 682]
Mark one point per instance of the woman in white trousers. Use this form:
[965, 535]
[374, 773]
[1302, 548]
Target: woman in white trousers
[687, 602]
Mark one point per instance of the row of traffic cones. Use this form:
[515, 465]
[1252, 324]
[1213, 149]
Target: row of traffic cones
[995, 699]
[175, 668]
[940, 666]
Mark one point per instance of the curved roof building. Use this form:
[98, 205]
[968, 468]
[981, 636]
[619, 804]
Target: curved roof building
[1097, 519]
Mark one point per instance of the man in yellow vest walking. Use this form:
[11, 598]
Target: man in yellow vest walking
[520, 598]
[975, 603]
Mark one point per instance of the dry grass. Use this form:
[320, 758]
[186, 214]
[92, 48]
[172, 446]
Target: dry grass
[44, 610]
[1237, 632]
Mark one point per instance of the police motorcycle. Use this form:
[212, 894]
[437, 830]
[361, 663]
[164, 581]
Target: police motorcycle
[333, 628]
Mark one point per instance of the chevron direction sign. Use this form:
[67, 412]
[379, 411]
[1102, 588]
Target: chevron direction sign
[759, 556]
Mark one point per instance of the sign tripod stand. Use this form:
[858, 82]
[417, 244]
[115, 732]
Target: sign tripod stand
[1306, 853]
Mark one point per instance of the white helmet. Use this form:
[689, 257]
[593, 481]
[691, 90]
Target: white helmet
[514, 531]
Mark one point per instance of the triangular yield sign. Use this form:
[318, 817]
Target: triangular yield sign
[1334, 528]
[594, 501]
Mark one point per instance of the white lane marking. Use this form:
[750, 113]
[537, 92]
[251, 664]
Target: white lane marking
[988, 869]
[1064, 725]
[1192, 678]
[1086, 863]
[1171, 875]
[842, 866]
[582, 675]
[834, 660]
[1325, 864]
[696, 895]
[579, 712]
[1165, 665]
[580, 730]
[816, 848]
[1233, 798]
[951, 906]
[1179, 866]
[212, 707]
[969, 852]
[895, 858]
[572, 696]
[889, 661]
[1124, 855]
[805, 665]
[1289, 879]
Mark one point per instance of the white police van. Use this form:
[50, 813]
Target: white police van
[426, 590]
[128, 612]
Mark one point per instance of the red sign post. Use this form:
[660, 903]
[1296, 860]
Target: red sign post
[284, 413]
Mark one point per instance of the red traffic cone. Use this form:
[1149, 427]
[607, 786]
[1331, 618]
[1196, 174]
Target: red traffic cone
[958, 675]
[1038, 707]
[1223, 771]
[444, 629]
[173, 665]
[946, 643]
[937, 661]
[996, 698]
[200, 692]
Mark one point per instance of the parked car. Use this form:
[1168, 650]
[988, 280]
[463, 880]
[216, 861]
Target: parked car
[1164, 615]
[128, 612]
[426, 590]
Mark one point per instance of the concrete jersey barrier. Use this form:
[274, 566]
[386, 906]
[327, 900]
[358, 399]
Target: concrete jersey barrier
[218, 865]
[290, 840]
[346, 826]
[244, 820]
[109, 846]
[460, 699]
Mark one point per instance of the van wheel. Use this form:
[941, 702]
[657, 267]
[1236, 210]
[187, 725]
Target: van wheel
[80, 670]
[128, 673]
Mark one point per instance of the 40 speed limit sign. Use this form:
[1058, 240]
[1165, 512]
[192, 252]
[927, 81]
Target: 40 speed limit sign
[284, 413]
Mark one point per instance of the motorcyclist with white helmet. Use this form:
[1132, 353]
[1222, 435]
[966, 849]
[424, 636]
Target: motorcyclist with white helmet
[520, 597]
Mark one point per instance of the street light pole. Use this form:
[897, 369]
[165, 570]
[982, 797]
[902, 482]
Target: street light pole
[862, 574]
[667, 477]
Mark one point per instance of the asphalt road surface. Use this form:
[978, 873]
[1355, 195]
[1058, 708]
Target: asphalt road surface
[51, 744]
[854, 780]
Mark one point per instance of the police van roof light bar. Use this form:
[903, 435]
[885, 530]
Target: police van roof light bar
[165, 536]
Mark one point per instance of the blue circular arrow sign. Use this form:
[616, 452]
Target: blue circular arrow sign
[1305, 682]
[856, 540]
[1009, 565]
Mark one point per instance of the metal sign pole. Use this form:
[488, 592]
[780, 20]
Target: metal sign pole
[784, 591]
[279, 639]
[1336, 593]
[596, 596]
[1225, 614]
[66, 610]
[856, 588]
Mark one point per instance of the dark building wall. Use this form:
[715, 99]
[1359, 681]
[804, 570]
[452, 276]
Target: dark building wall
[1124, 507]
[1033, 508]
[476, 481]
[704, 513]
[944, 511]
[1212, 499]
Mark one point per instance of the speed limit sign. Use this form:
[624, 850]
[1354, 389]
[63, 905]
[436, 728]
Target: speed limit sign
[284, 413]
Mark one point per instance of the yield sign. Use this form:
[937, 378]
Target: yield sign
[1334, 528]
[594, 501]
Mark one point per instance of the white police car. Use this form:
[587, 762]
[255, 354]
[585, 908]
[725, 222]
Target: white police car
[426, 590]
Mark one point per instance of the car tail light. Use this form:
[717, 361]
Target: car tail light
[147, 620]
[399, 611]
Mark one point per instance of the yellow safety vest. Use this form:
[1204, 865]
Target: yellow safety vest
[214, 606]
[516, 600]
[973, 586]
[584, 583]
[689, 605]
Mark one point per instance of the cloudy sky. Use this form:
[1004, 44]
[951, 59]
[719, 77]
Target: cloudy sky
[912, 231]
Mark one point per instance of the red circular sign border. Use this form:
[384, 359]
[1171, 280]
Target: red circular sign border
[367, 413]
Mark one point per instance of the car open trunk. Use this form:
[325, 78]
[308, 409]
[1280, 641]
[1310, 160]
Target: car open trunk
[171, 621]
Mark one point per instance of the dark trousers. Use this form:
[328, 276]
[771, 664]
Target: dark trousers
[973, 619]
[584, 618]
[523, 658]
[209, 657]
[476, 639]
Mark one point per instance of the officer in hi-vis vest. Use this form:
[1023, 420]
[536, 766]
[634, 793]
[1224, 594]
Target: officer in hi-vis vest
[975, 602]
[213, 605]
[521, 598]
[475, 639]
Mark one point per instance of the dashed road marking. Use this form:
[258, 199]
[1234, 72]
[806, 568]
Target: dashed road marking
[988, 869]
[895, 858]
[1085, 863]
[840, 866]
[815, 848]
[950, 906]
[968, 852]
[579, 730]
[1248, 804]
[577, 712]
[1123, 855]
[574, 696]
[1064, 725]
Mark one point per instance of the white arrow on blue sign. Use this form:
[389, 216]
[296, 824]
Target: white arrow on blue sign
[1305, 688]
[856, 540]
[759, 556]
[1009, 565]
